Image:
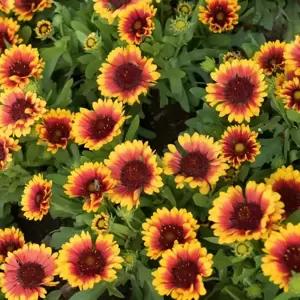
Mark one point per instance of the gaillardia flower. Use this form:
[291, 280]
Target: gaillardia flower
[239, 216]
[19, 111]
[292, 55]
[232, 55]
[91, 42]
[6, 5]
[55, 129]
[179, 25]
[8, 33]
[286, 182]
[290, 94]
[27, 271]
[35, 201]
[83, 263]
[221, 15]
[25, 9]
[239, 90]
[97, 127]
[166, 228]
[19, 64]
[7, 146]
[90, 181]
[136, 22]
[199, 164]
[282, 255]
[270, 57]
[126, 74]
[100, 223]
[43, 29]
[133, 165]
[181, 272]
[184, 8]
[239, 144]
[11, 239]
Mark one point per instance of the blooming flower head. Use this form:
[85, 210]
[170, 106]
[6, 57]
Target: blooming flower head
[198, 164]
[55, 129]
[7, 146]
[19, 111]
[90, 181]
[25, 9]
[221, 15]
[84, 263]
[238, 91]
[43, 29]
[282, 255]
[292, 55]
[166, 228]
[290, 94]
[239, 216]
[35, 201]
[27, 271]
[239, 145]
[18, 64]
[100, 223]
[182, 271]
[184, 8]
[97, 127]
[91, 42]
[11, 239]
[136, 22]
[8, 33]
[232, 55]
[126, 74]
[286, 182]
[133, 165]
[179, 25]
[6, 6]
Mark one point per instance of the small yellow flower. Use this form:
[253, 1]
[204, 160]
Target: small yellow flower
[44, 29]
[184, 8]
[180, 25]
[91, 42]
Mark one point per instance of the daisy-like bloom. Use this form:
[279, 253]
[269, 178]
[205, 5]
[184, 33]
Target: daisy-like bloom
[8, 33]
[36, 198]
[200, 165]
[27, 271]
[136, 22]
[91, 42]
[43, 29]
[18, 65]
[11, 239]
[19, 111]
[25, 9]
[97, 127]
[89, 181]
[270, 57]
[292, 55]
[55, 129]
[84, 263]
[282, 255]
[232, 55]
[184, 8]
[7, 146]
[166, 228]
[221, 15]
[134, 166]
[100, 223]
[181, 272]
[239, 144]
[239, 216]
[126, 74]
[286, 182]
[6, 6]
[290, 93]
[239, 90]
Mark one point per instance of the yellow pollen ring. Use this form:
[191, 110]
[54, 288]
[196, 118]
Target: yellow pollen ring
[296, 95]
[90, 42]
[101, 224]
[44, 28]
[239, 147]
[180, 24]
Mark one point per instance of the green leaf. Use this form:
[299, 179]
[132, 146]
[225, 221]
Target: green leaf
[57, 179]
[285, 296]
[113, 291]
[64, 98]
[219, 39]
[270, 291]
[63, 235]
[294, 218]
[54, 295]
[143, 274]
[267, 20]
[176, 85]
[92, 68]
[249, 49]
[198, 92]
[244, 171]
[64, 208]
[234, 292]
[221, 261]
[167, 194]
[172, 73]
[25, 33]
[243, 5]
[295, 133]
[76, 25]
[122, 230]
[157, 32]
[91, 294]
[83, 220]
[202, 200]
[293, 115]
[146, 133]
[133, 128]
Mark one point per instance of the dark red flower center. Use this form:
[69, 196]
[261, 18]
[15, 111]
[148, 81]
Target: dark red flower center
[246, 216]
[135, 174]
[291, 258]
[2, 152]
[39, 197]
[139, 25]
[194, 164]
[101, 127]
[115, 4]
[91, 262]
[4, 36]
[128, 76]
[272, 62]
[10, 246]
[169, 234]
[57, 133]
[290, 196]
[19, 68]
[219, 15]
[30, 274]
[184, 274]
[18, 108]
[296, 96]
[239, 90]
[93, 186]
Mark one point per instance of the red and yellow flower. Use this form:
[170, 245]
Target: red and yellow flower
[166, 228]
[292, 55]
[55, 129]
[134, 167]
[7, 146]
[232, 55]
[126, 74]
[27, 271]
[97, 127]
[8, 32]
[11, 239]
[35, 201]
[239, 90]
[90, 181]
[239, 216]
[221, 15]
[84, 263]
[290, 94]
[199, 164]
[43, 29]
[19, 110]
[25, 9]
[182, 270]
[6, 6]
[239, 145]
[18, 65]
[100, 223]
[136, 23]
[282, 255]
